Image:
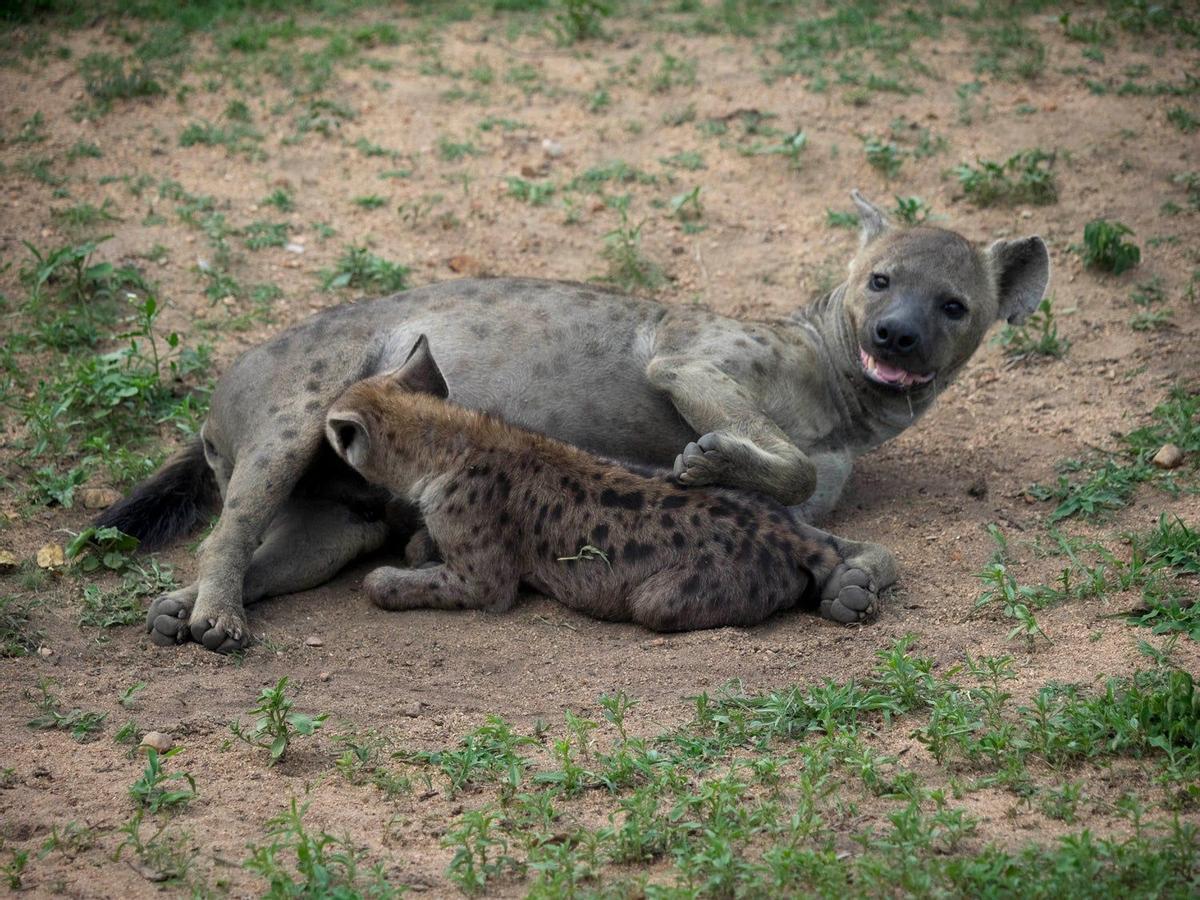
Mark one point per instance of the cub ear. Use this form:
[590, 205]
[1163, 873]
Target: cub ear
[347, 433]
[1022, 271]
[872, 220]
[420, 374]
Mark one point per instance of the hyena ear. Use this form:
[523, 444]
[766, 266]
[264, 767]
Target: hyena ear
[420, 374]
[872, 220]
[347, 433]
[1022, 270]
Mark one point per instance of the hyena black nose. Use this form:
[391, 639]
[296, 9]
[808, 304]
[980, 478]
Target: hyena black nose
[896, 336]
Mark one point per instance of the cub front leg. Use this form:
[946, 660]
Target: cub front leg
[738, 445]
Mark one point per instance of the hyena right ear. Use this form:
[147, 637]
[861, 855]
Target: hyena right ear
[420, 374]
[873, 221]
[347, 433]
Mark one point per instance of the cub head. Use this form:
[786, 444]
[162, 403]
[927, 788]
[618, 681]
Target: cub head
[920, 299]
[358, 422]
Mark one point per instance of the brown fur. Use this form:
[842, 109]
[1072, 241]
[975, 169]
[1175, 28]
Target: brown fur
[507, 506]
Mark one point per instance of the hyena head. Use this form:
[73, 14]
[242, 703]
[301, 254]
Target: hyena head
[366, 425]
[919, 300]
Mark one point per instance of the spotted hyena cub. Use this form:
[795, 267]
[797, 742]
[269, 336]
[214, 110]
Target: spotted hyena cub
[506, 506]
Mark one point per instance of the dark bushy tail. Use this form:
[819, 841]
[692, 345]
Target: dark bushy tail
[170, 503]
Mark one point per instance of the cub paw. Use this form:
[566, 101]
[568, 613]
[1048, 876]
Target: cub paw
[849, 596]
[705, 461]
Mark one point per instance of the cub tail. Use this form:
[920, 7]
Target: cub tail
[172, 502]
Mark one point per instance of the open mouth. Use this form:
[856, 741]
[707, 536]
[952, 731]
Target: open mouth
[893, 376]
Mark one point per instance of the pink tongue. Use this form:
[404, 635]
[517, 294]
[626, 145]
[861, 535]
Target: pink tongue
[890, 373]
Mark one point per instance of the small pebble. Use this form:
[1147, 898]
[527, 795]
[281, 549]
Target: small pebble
[45, 652]
[1168, 457]
[324, 676]
[314, 641]
[552, 149]
[413, 710]
[156, 740]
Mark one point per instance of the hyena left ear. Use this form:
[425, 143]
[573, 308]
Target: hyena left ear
[420, 374]
[873, 221]
[1022, 271]
[347, 433]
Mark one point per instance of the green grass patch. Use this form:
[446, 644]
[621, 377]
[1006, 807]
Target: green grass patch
[1107, 481]
[359, 268]
[1026, 177]
[1104, 247]
[1037, 338]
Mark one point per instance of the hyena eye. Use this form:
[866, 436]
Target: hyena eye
[877, 282]
[954, 309]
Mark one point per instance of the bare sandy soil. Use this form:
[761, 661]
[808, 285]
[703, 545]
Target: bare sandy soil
[423, 679]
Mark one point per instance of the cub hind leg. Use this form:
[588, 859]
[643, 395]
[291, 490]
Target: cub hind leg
[481, 580]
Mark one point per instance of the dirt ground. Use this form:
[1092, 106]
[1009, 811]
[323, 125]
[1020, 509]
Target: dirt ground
[423, 679]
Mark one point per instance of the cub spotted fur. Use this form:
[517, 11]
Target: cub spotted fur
[507, 506]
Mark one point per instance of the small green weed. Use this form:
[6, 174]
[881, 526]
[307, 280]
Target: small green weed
[1026, 177]
[1183, 120]
[628, 268]
[260, 235]
[687, 208]
[688, 160]
[299, 862]
[276, 726]
[535, 193]
[361, 269]
[84, 216]
[884, 156]
[280, 199]
[454, 151]
[370, 201]
[580, 20]
[108, 78]
[18, 636]
[835, 218]
[236, 137]
[910, 210]
[83, 726]
[14, 868]
[1015, 599]
[71, 840]
[154, 792]
[1105, 249]
[124, 604]
[1037, 337]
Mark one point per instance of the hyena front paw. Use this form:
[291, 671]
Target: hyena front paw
[849, 595]
[707, 460]
[167, 617]
[221, 631]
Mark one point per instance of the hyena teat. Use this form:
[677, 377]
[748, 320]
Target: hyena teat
[506, 506]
